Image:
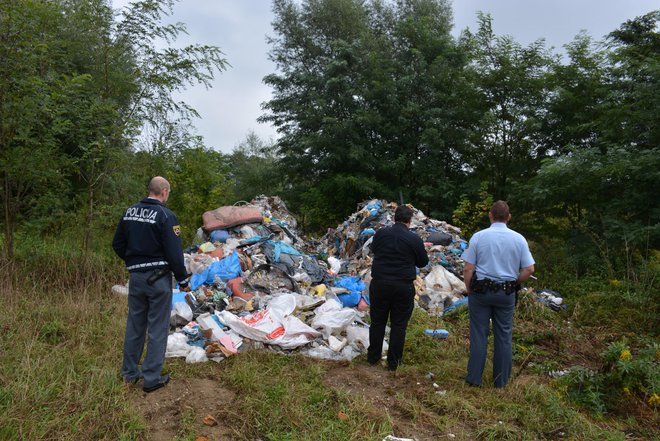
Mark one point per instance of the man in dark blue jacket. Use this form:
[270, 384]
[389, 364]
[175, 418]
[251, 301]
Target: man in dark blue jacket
[147, 239]
[397, 251]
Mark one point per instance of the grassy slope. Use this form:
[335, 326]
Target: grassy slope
[61, 333]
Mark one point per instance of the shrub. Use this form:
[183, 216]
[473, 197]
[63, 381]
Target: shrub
[624, 376]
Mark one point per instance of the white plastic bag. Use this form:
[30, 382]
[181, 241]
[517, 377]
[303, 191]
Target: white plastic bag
[331, 304]
[335, 264]
[181, 314]
[273, 325]
[333, 322]
[177, 345]
[358, 337]
[196, 355]
[440, 279]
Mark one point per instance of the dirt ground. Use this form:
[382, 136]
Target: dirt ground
[184, 403]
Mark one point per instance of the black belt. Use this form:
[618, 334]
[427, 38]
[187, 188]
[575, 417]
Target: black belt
[483, 285]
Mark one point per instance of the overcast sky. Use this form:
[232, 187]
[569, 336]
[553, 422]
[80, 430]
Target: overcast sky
[239, 27]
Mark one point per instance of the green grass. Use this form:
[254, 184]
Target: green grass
[61, 331]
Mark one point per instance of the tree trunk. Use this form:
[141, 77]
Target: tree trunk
[8, 217]
[87, 236]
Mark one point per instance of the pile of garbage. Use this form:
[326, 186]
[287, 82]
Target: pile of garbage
[256, 281]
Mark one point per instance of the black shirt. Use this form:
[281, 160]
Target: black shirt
[147, 238]
[397, 251]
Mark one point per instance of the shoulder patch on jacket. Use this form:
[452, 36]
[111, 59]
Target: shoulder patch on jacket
[177, 230]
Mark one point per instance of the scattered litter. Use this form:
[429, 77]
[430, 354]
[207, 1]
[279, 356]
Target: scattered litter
[257, 283]
[551, 299]
[437, 333]
[210, 421]
[120, 290]
[557, 374]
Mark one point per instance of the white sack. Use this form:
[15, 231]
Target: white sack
[273, 325]
[177, 345]
[333, 322]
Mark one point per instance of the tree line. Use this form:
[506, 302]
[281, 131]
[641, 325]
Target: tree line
[371, 98]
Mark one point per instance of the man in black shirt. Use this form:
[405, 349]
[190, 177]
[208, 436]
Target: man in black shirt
[397, 251]
[147, 239]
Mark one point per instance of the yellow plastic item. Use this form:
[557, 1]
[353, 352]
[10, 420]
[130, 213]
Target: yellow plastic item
[319, 290]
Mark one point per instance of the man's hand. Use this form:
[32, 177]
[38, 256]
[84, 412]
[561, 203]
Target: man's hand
[184, 286]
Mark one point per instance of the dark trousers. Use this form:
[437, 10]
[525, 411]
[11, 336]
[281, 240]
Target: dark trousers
[484, 307]
[149, 309]
[393, 300]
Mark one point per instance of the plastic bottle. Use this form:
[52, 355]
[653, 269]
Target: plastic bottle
[437, 333]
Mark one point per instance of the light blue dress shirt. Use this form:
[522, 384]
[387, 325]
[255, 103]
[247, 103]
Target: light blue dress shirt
[498, 253]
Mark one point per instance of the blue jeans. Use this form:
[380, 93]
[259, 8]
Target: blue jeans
[484, 307]
[148, 314]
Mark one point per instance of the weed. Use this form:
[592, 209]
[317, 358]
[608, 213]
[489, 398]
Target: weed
[622, 377]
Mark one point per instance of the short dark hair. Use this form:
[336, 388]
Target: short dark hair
[403, 214]
[500, 211]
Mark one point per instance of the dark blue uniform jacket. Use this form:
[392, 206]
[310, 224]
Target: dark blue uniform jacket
[397, 251]
[147, 238]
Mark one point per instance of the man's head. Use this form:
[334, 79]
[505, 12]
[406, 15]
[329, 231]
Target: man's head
[499, 212]
[159, 189]
[403, 214]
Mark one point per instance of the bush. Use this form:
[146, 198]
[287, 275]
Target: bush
[623, 377]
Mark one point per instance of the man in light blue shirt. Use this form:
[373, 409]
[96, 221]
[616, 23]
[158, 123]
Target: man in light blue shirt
[496, 262]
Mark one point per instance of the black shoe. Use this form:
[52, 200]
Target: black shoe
[163, 381]
[133, 381]
[472, 384]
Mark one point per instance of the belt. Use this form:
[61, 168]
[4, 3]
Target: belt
[483, 285]
[147, 265]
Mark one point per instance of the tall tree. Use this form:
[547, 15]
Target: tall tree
[513, 84]
[28, 89]
[364, 101]
[605, 182]
[254, 169]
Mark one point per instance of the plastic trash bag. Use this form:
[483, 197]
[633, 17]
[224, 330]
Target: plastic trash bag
[282, 305]
[219, 236]
[331, 304]
[177, 345]
[273, 325]
[196, 355]
[333, 322]
[353, 284]
[358, 337]
[226, 269]
[325, 353]
[440, 279]
[335, 264]
[181, 314]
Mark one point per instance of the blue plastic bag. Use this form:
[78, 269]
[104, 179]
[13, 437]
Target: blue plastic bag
[219, 236]
[355, 285]
[225, 269]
